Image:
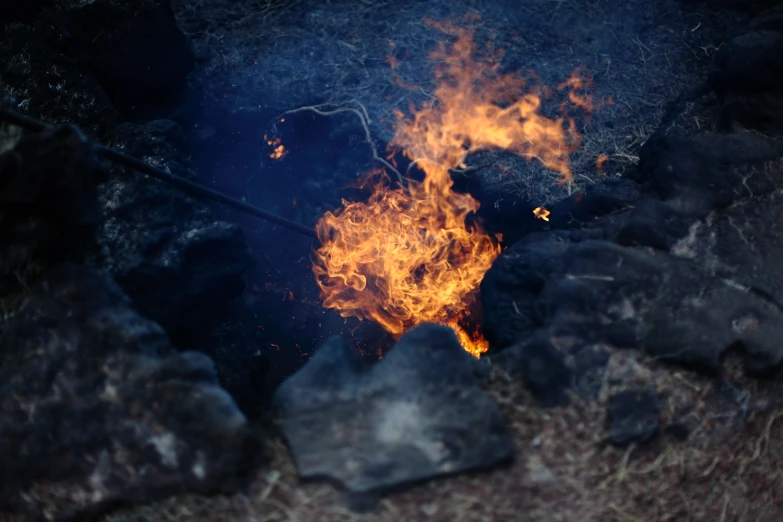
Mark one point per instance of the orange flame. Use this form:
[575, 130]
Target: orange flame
[279, 150]
[541, 213]
[408, 256]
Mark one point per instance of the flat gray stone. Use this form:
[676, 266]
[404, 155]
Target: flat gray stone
[417, 414]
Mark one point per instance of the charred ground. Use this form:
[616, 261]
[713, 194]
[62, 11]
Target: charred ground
[635, 370]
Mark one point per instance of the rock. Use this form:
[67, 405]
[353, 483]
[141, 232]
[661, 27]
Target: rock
[48, 201]
[179, 264]
[678, 430]
[600, 292]
[132, 47]
[47, 85]
[769, 20]
[542, 368]
[745, 6]
[741, 248]
[589, 362]
[97, 408]
[595, 201]
[23, 10]
[415, 415]
[633, 416]
[748, 80]
[694, 175]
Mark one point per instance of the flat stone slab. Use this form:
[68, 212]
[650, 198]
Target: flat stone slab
[417, 414]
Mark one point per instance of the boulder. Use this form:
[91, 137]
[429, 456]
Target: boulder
[167, 251]
[416, 414]
[133, 48]
[97, 408]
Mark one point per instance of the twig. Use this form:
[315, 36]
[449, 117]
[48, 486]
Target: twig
[364, 117]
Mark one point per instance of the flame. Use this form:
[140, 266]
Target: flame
[408, 256]
[600, 162]
[541, 213]
[279, 150]
[473, 344]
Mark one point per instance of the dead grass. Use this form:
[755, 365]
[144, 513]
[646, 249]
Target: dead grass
[269, 56]
[565, 471]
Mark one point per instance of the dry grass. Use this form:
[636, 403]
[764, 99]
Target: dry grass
[268, 56]
[565, 471]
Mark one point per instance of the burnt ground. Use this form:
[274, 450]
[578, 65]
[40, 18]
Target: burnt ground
[256, 61]
[635, 336]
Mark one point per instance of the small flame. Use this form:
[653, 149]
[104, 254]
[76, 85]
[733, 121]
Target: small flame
[408, 256]
[541, 213]
[279, 150]
[600, 162]
[473, 344]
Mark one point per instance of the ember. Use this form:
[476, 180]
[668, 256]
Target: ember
[541, 213]
[279, 149]
[410, 255]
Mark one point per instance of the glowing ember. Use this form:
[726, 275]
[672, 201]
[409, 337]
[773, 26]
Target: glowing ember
[279, 150]
[541, 213]
[410, 256]
[600, 162]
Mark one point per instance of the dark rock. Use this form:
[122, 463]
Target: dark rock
[651, 223]
[686, 178]
[697, 174]
[97, 409]
[416, 414]
[769, 20]
[48, 200]
[542, 368]
[12, 11]
[589, 368]
[678, 430]
[600, 292]
[47, 85]
[749, 63]
[633, 416]
[596, 201]
[749, 80]
[180, 266]
[511, 290]
[744, 6]
[132, 47]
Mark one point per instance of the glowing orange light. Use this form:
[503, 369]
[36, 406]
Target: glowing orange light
[541, 213]
[409, 254]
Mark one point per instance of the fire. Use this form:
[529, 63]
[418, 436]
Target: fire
[541, 213]
[411, 255]
[279, 149]
[474, 345]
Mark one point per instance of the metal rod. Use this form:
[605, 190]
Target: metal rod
[185, 185]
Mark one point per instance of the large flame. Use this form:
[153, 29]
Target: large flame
[410, 255]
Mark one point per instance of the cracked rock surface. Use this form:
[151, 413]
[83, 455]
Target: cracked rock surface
[416, 414]
[97, 408]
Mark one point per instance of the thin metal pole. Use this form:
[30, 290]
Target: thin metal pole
[185, 185]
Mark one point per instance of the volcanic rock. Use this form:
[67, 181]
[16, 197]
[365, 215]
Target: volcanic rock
[48, 201]
[180, 266]
[132, 47]
[598, 291]
[694, 175]
[749, 80]
[96, 407]
[543, 369]
[416, 414]
[633, 416]
[47, 85]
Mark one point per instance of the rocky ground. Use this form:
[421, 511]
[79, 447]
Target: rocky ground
[634, 372]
